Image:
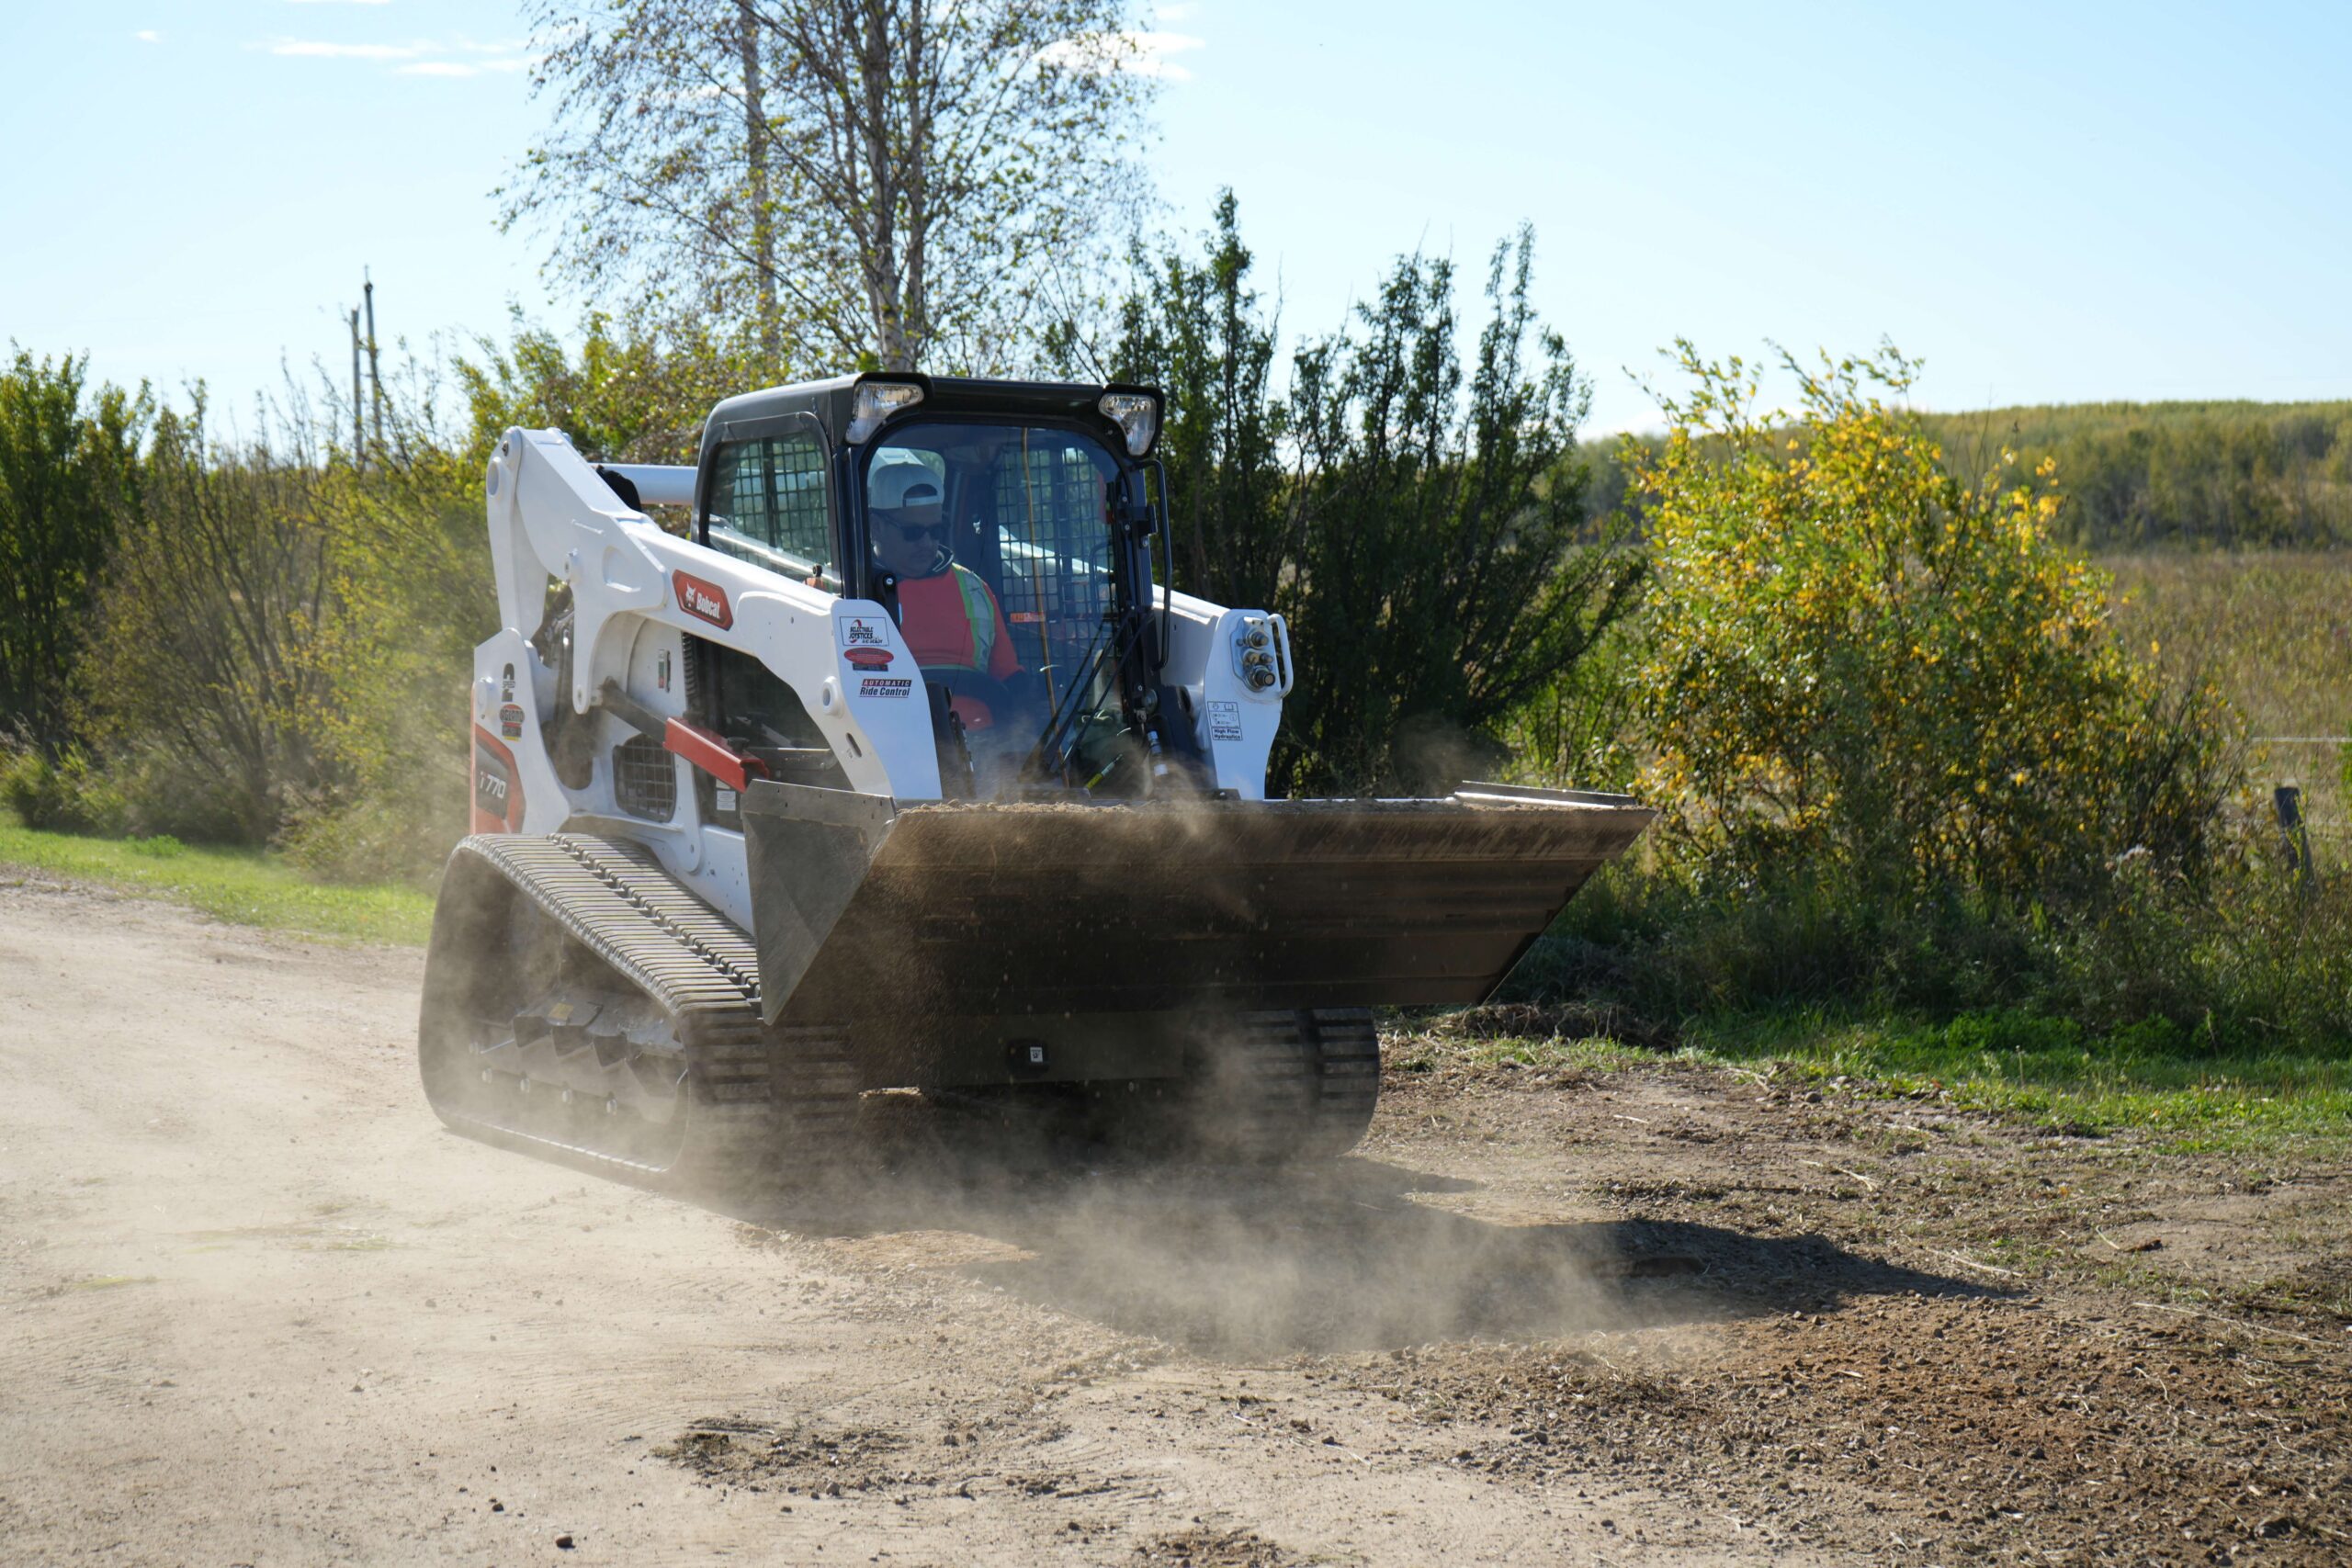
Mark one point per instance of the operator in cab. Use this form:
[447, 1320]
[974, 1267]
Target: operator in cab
[948, 615]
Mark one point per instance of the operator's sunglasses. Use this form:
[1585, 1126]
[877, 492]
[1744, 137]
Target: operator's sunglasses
[936, 531]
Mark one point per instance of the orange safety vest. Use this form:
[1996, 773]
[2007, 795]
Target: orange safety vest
[951, 621]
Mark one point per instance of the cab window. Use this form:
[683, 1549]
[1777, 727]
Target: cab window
[767, 504]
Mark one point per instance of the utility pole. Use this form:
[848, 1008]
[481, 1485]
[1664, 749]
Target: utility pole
[375, 382]
[358, 433]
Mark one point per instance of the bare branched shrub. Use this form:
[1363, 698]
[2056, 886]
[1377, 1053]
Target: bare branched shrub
[204, 682]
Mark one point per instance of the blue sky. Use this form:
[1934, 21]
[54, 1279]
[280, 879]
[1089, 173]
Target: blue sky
[2043, 202]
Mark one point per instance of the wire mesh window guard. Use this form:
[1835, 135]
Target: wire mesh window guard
[645, 779]
[1043, 506]
[767, 503]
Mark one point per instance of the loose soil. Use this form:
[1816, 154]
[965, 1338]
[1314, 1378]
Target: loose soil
[257, 1306]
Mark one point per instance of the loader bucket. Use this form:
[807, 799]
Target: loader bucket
[863, 908]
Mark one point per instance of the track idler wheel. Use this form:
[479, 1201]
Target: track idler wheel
[1282, 1086]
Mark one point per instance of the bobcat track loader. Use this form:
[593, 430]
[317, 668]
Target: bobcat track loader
[740, 856]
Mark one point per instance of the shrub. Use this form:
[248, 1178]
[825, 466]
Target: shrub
[69, 462]
[1907, 764]
[288, 634]
[2244, 958]
[165, 795]
[2251, 957]
[1859, 661]
[213, 605]
[1670, 946]
[400, 830]
[67, 795]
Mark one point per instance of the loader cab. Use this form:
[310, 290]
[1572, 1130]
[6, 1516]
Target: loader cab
[1007, 528]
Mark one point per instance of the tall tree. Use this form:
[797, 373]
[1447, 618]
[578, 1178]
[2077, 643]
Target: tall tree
[886, 182]
[1439, 564]
[67, 466]
[758, 194]
[1199, 332]
[1427, 535]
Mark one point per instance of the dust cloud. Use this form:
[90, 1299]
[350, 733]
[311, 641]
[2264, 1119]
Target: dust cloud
[1232, 1261]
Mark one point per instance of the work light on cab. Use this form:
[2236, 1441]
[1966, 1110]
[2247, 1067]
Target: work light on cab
[1136, 414]
[878, 401]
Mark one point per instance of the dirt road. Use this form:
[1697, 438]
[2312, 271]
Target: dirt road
[257, 1306]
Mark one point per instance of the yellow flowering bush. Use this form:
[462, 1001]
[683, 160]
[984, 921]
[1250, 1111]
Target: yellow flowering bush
[1855, 655]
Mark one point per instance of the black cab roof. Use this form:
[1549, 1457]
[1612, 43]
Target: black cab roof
[751, 414]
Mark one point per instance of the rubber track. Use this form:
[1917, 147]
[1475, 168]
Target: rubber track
[1300, 1084]
[1292, 1084]
[764, 1101]
[1348, 1063]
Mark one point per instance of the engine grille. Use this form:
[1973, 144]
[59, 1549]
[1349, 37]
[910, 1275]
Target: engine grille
[645, 779]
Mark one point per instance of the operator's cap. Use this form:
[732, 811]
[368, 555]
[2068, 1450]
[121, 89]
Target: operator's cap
[902, 484]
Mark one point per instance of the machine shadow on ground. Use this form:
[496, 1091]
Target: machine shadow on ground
[1336, 1259]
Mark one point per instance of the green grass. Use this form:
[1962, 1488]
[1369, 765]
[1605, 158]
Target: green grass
[1423, 1051]
[2026, 1069]
[249, 887]
[2046, 1072]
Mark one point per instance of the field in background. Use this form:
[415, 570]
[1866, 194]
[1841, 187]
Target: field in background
[2272, 630]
